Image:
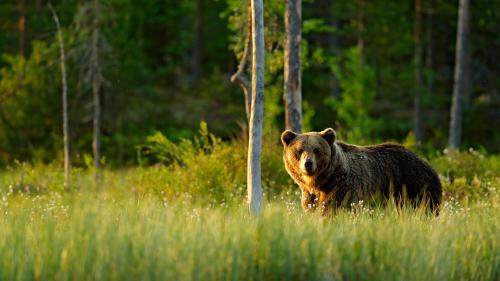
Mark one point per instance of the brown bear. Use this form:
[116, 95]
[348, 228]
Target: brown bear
[330, 172]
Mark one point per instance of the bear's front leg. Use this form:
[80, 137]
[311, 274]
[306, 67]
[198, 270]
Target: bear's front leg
[309, 201]
[324, 202]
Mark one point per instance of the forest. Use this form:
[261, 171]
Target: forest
[166, 66]
[140, 140]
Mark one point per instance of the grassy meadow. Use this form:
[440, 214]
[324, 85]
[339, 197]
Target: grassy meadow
[85, 236]
[187, 220]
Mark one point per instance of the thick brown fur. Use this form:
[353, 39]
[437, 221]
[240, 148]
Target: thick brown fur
[330, 172]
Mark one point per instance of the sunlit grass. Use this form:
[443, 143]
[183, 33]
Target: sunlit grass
[88, 236]
[191, 223]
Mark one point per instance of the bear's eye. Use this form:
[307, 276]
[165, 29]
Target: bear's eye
[316, 151]
[299, 152]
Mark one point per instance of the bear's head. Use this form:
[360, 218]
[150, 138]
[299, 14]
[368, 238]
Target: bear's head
[308, 154]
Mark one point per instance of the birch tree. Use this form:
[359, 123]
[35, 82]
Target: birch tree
[460, 82]
[254, 183]
[64, 99]
[292, 96]
[96, 83]
[240, 77]
[94, 47]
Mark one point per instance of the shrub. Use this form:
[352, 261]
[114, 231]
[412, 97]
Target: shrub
[454, 164]
[467, 175]
[208, 169]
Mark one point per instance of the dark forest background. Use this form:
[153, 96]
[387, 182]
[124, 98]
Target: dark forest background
[166, 66]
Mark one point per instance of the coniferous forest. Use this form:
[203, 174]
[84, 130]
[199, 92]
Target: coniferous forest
[166, 65]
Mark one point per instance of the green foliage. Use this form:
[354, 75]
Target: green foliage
[207, 169]
[147, 62]
[357, 81]
[29, 119]
[316, 25]
[308, 113]
[467, 175]
[468, 164]
[210, 171]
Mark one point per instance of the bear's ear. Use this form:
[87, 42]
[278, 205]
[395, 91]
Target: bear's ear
[287, 137]
[329, 135]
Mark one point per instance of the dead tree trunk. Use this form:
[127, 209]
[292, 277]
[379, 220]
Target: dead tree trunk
[67, 163]
[256, 114]
[96, 85]
[292, 88]
[429, 50]
[240, 77]
[417, 114]
[196, 63]
[460, 75]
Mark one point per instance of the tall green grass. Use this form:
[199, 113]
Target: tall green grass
[96, 236]
[186, 219]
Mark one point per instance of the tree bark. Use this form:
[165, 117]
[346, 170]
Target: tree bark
[460, 76]
[96, 84]
[292, 78]
[429, 59]
[67, 163]
[22, 29]
[418, 117]
[196, 63]
[256, 117]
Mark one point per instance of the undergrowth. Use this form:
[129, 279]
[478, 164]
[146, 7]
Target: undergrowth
[208, 170]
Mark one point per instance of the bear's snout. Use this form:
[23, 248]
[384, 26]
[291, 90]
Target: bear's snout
[308, 165]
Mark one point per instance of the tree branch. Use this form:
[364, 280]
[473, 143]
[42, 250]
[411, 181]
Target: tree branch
[239, 77]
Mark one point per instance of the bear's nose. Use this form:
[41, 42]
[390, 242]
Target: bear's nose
[309, 166]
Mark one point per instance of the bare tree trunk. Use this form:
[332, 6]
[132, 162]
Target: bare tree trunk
[460, 76]
[418, 117]
[256, 116]
[196, 63]
[292, 88]
[429, 59]
[239, 76]
[22, 28]
[96, 81]
[96, 143]
[467, 93]
[67, 163]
